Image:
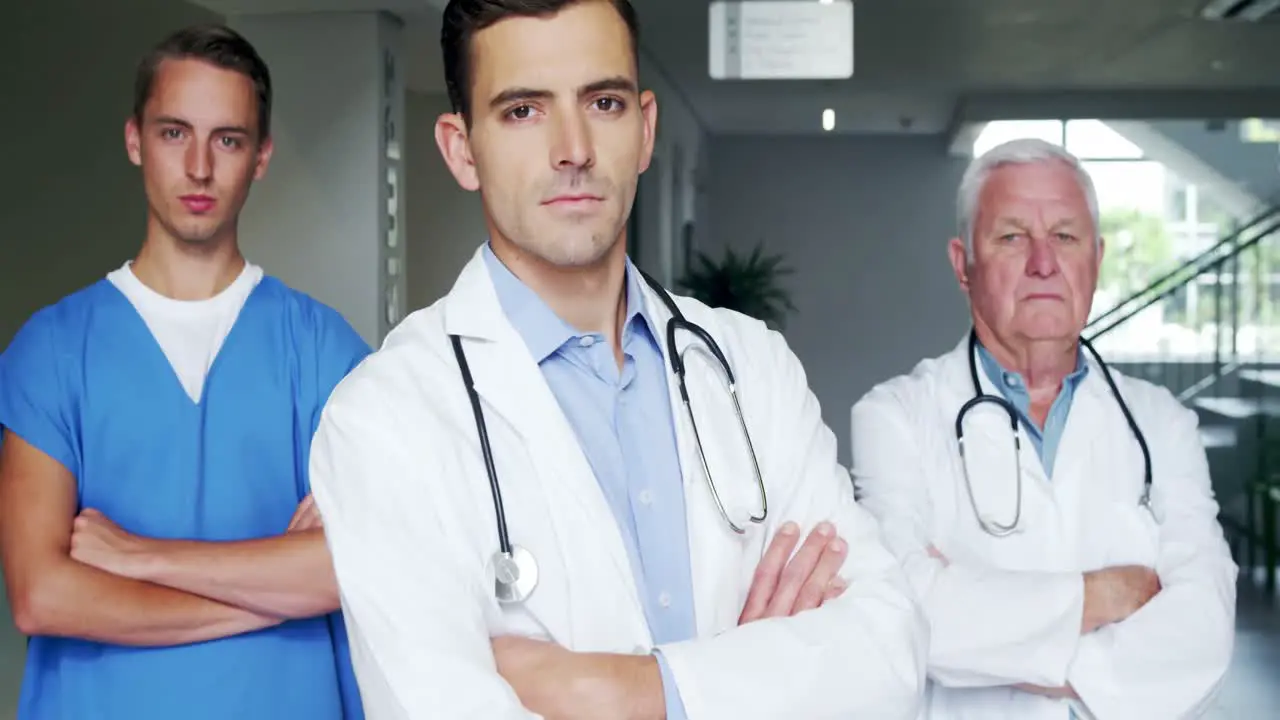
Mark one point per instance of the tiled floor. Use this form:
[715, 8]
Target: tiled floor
[1251, 692]
[1252, 688]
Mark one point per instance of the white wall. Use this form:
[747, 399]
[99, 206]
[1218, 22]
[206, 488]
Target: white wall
[73, 207]
[864, 221]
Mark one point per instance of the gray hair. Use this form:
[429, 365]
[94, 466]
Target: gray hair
[1022, 151]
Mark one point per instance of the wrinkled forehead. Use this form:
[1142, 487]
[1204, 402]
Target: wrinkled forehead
[559, 52]
[1039, 194]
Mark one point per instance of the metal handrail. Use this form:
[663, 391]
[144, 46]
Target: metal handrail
[1226, 240]
[1215, 263]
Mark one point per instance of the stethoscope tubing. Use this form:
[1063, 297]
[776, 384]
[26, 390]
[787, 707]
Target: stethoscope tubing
[677, 322]
[980, 397]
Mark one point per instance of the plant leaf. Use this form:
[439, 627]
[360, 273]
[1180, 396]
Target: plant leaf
[748, 283]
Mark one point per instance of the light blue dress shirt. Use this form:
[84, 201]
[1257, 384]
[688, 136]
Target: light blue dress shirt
[1014, 388]
[622, 419]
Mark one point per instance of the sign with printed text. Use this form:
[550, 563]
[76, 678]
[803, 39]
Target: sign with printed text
[781, 39]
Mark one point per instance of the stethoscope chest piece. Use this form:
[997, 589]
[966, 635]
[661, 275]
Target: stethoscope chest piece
[515, 575]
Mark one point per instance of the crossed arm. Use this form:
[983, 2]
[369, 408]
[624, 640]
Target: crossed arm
[83, 576]
[557, 683]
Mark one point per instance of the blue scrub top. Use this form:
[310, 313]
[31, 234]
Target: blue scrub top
[85, 381]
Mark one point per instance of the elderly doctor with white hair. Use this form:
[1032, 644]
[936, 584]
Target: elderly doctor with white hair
[1054, 516]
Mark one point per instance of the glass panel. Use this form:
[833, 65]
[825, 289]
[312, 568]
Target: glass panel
[1179, 208]
[1130, 184]
[1259, 130]
[1092, 139]
[1000, 131]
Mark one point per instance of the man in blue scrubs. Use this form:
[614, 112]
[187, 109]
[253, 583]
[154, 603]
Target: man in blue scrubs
[159, 543]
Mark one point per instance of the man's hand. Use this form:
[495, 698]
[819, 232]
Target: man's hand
[782, 588]
[560, 684]
[306, 517]
[1057, 693]
[936, 554]
[97, 541]
[1115, 593]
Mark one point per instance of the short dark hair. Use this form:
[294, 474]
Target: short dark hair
[217, 45]
[464, 18]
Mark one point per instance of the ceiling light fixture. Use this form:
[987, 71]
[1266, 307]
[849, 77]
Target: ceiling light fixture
[828, 119]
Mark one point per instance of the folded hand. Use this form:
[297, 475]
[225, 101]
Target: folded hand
[783, 587]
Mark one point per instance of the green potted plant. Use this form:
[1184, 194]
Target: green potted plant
[750, 285]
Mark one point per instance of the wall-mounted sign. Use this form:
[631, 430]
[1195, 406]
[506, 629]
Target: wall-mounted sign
[781, 39]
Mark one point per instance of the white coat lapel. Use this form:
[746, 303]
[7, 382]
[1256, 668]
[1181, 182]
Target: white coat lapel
[988, 441]
[1086, 418]
[582, 538]
[1093, 412]
[716, 552]
[989, 438]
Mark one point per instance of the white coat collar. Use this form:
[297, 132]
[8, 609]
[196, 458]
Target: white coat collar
[957, 373]
[473, 310]
[1089, 415]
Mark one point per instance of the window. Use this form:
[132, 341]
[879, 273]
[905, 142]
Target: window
[1094, 140]
[1001, 131]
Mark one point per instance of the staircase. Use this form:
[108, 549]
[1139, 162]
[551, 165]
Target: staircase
[1227, 368]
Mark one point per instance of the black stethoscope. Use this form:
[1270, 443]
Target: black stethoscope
[515, 569]
[997, 529]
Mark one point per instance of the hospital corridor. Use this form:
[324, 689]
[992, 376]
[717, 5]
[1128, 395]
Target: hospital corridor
[893, 196]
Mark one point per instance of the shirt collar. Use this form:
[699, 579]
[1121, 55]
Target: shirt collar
[543, 331]
[1011, 382]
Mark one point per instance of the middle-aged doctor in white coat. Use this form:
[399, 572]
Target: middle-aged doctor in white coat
[644, 594]
[1093, 606]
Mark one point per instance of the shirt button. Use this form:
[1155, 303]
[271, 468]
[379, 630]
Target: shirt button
[664, 599]
[587, 341]
[646, 497]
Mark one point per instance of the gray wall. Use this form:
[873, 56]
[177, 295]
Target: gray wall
[444, 223]
[864, 222]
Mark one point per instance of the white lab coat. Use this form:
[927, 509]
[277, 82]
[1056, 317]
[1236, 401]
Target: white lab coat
[397, 474]
[1008, 610]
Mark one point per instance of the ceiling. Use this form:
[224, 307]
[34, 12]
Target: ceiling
[916, 60]
[929, 65]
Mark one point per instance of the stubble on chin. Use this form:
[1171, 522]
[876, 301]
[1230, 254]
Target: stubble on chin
[564, 245]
